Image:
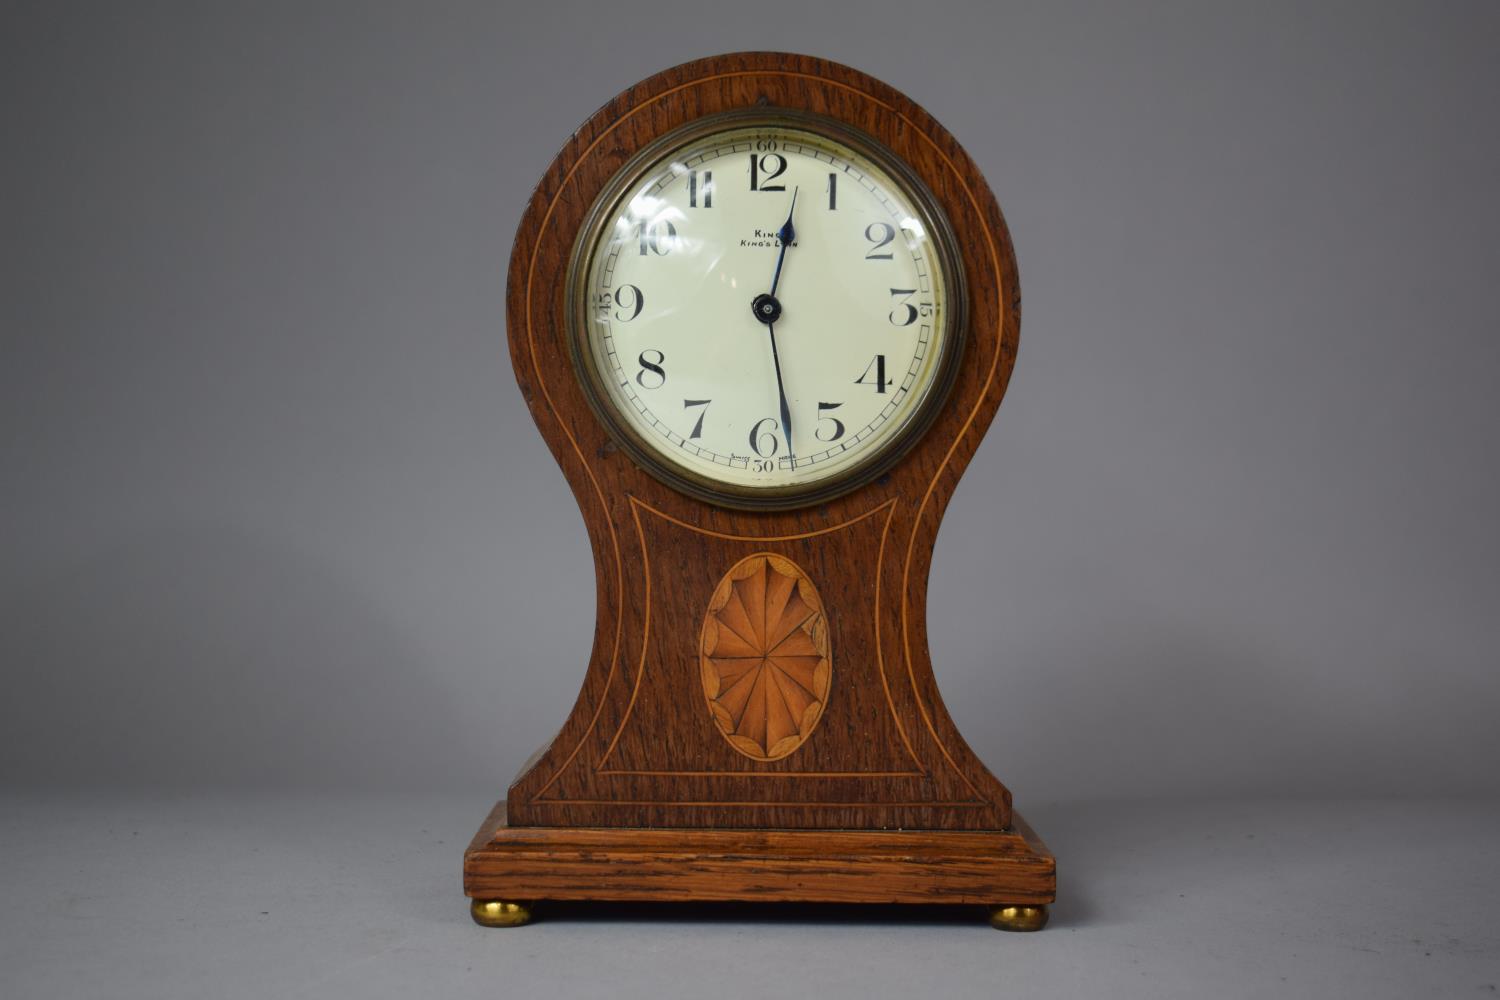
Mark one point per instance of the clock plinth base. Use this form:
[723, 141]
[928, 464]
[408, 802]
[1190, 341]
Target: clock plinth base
[1010, 871]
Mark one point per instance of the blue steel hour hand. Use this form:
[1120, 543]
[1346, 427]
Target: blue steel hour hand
[766, 307]
[785, 236]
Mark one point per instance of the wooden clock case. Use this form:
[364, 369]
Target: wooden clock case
[641, 795]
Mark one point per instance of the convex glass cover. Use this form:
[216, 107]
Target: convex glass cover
[766, 310]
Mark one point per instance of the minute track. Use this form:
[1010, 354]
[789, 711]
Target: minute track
[819, 347]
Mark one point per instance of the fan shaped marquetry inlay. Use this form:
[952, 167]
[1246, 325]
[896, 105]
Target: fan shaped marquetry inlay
[765, 658]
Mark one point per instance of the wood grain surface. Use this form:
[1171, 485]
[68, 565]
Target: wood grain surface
[829, 866]
[640, 748]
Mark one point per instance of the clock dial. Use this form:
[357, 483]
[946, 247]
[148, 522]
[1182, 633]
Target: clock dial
[767, 309]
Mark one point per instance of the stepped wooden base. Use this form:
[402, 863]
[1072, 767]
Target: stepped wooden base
[1004, 870]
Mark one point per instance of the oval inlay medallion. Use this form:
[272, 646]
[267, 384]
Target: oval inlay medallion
[765, 657]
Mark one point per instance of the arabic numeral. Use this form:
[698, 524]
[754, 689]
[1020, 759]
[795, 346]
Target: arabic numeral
[766, 168]
[880, 382]
[759, 436]
[688, 404]
[705, 187]
[629, 298]
[659, 237]
[652, 375]
[837, 430]
[903, 313]
[882, 234]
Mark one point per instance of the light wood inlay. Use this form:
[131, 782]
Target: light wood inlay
[764, 653]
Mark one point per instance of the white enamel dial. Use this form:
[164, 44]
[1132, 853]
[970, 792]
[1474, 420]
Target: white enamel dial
[751, 362]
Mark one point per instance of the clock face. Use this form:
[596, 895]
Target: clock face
[767, 311]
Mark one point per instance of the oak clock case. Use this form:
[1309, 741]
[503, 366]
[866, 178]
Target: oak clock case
[758, 719]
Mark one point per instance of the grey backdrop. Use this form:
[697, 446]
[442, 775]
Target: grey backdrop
[275, 514]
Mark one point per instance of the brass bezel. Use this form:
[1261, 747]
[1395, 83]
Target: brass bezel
[705, 487]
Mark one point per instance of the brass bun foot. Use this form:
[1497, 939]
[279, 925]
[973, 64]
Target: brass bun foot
[499, 913]
[1018, 918]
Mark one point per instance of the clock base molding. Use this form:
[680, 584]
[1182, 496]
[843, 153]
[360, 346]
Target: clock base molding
[1009, 871]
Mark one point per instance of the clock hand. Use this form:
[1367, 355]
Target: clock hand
[785, 235]
[768, 310]
[786, 413]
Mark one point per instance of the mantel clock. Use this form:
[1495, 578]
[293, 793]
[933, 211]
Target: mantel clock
[762, 308]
